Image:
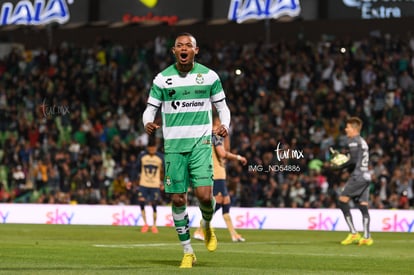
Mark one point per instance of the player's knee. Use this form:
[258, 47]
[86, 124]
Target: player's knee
[226, 200]
[142, 205]
[205, 198]
[364, 209]
[343, 199]
[344, 206]
[178, 200]
[226, 209]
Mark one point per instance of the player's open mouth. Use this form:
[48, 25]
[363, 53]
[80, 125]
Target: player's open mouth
[183, 56]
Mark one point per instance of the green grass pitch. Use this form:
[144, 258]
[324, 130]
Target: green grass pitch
[74, 249]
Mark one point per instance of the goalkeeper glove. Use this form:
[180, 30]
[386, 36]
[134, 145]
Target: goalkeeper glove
[333, 152]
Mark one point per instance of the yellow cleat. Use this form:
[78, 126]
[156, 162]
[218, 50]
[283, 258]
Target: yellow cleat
[210, 238]
[351, 239]
[368, 241]
[188, 260]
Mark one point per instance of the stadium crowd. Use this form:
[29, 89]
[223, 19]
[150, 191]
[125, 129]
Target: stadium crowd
[71, 130]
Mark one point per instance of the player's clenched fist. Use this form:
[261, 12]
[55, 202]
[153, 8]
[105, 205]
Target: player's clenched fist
[150, 127]
[221, 131]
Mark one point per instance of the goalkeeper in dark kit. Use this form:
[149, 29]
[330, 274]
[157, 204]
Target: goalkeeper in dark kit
[357, 185]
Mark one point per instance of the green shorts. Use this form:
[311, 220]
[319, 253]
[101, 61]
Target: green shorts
[183, 170]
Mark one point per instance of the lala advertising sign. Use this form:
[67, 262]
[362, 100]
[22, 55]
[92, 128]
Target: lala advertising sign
[38, 12]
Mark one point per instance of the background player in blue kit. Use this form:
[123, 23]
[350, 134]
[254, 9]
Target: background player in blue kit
[151, 167]
[220, 192]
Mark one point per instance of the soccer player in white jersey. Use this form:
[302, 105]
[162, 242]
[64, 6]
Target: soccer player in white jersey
[185, 92]
[357, 186]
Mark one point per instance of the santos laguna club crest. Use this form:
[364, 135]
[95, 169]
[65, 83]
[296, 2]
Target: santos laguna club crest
[200, 79]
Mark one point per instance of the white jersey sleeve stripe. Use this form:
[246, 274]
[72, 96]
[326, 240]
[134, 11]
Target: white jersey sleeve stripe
[217, 97]
[153, 101]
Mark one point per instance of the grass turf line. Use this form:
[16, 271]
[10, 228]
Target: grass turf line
[75, 249]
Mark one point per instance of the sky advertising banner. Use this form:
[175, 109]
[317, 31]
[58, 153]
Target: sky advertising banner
[243, 218]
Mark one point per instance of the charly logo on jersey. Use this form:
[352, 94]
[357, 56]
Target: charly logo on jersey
[200, 79]
[167, 180]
